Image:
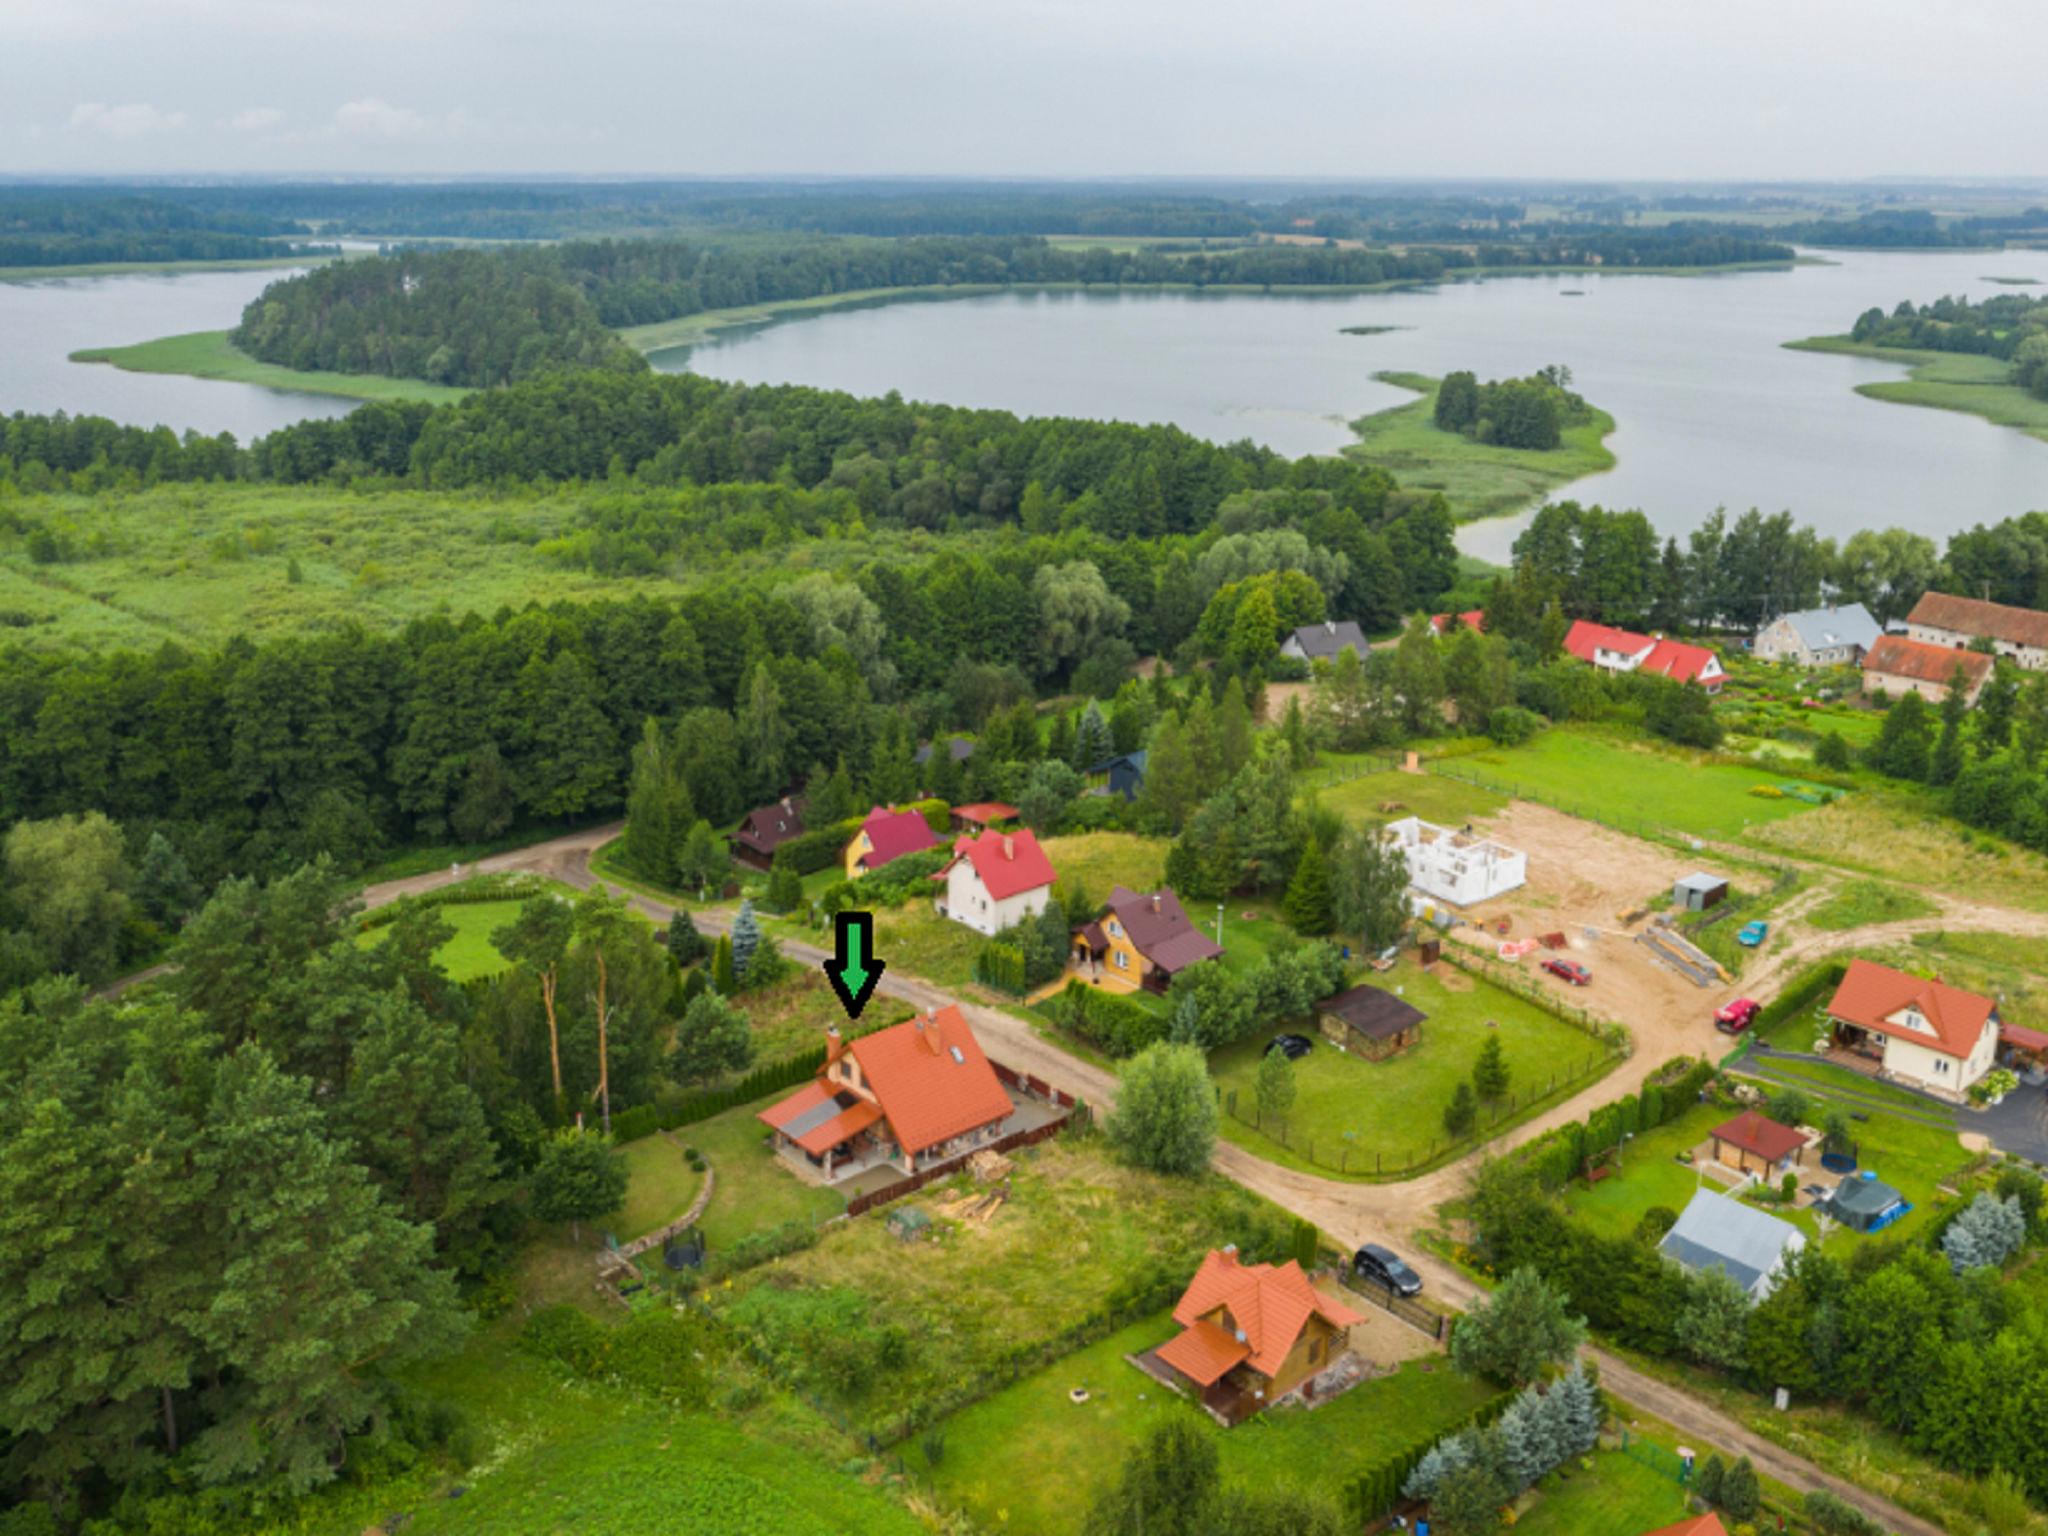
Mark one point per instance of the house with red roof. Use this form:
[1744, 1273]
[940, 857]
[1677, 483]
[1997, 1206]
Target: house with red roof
[1899, 665]
[1450, 623]
[1754, 1143]
[1920, 1032]
[995, 881]
[1143, 940]
[982, 815]
[1623, 650]
[1253, 1333]
[1708, 1524]
[914, 1095]
[887, 835]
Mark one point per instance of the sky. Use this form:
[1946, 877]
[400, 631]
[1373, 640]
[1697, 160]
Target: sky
[1591, 90]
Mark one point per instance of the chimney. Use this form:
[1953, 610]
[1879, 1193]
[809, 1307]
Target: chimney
[1009, 846]
[1329, 626]
[1155, 901]
[932, 1012]
[835, 1047]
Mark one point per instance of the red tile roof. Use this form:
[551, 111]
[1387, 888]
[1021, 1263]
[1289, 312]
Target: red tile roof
[795, 1117]
[931, 1078]
[1585, 637]
[1752, 1132]
[895, 833]
[1204, 1352]
[1896, 656]
[1870, 994]
[2026, 1039]
[1708, 1524]
[1973, 616]
[1472, 618]
[1268, 1303]
[1661, 657]
[1686, 663]
[1008, 863]
[983, 812]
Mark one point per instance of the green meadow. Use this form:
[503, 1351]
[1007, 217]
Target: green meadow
[210, 355]
[1947, 381]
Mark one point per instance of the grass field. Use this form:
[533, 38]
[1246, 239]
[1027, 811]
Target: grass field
[754, 1190]
[157, 268]
[1433, 797]
[790, 1017]
[1948, 381]
[1031, 1459]
[210, 355]
[1862, 902]
[1619, 1497]
[1899, 835]
[1478, 479]
[2012, 969]
[561, 1455]
[470, 953]
[660, 1189]
[1627, 783]
[1650, 1175]
[1363, 1115]
[1078, 1227]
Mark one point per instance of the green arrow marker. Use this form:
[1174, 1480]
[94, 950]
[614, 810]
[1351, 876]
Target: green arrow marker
[853, 970]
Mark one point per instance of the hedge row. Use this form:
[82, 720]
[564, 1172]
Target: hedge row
[478, 889]
[1811, 985]
[1558, 1155]
[1372, 1493]
[1107, 1020]
[1001, 966]
[809, 852]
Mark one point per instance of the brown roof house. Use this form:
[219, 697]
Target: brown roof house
[766, 830]
[1253, 1333]
[1754, 1143]
[911, 1096]
[1923, 1033]
[1141, 941]
[1953, 622]
[1370, 1022]
[1898, 665]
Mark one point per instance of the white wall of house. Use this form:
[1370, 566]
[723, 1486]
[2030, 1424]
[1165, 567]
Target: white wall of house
[1924, 1067]
[1454, 867]
[1894, 686]
[968, 901]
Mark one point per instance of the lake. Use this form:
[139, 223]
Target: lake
[1710, 409]
[42, 322]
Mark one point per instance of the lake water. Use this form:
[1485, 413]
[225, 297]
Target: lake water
[43, 322]
[1710, 409]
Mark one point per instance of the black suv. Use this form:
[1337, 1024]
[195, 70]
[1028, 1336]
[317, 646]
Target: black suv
[1383, 1267]
[1294, 1047]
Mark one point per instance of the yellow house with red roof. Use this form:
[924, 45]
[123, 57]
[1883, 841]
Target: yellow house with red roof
[911, 1096]
[1252, 1333]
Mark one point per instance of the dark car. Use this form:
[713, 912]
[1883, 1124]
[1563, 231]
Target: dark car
[1293, 1047]
[1568, 970]
[1384, 1268]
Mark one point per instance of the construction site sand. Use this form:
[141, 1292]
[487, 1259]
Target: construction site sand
[1583, 876]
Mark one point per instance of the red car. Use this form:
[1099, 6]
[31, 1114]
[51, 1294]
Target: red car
[1733, 1018]
[1568, 970]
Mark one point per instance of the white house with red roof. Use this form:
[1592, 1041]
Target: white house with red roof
[1623, 650]
[1922, 1033]
[1252, 1333]
[913, 1095]
[995, 880]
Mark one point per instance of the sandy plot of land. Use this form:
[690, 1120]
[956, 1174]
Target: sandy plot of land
[1581, 877]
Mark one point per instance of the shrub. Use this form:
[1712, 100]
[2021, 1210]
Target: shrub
[1832, 1516]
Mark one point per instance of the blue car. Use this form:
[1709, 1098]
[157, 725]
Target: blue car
[1752, 934]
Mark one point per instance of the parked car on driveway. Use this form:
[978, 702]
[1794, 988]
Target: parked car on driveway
[1293, 1047]
[1386, 1269]
[1568, 970]
[1733, 1018]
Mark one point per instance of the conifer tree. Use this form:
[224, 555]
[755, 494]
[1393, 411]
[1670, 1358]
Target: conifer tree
[1490, 1072]
[746, 938]
[1307, 903]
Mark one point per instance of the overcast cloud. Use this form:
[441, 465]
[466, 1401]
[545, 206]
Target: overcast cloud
[1777, 89]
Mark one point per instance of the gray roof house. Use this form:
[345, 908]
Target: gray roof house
[1322, 642]
[1818, 637]
[1747, 1245]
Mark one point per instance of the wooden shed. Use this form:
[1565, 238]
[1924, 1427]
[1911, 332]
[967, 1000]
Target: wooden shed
[1753, 1143]
[1370, 1021]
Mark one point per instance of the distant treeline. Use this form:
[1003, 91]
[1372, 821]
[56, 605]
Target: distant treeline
[488, 317]
[54, 231]
[2012, 326]
[1914, 229]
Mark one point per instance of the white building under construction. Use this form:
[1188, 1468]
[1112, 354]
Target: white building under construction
[1461, 868]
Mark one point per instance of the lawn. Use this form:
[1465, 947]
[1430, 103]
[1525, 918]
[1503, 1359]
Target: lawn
[1072, 1451]
[1619, 1497]
[755, 1190]
[1362, 1115]
[470, 953]
[2005, 966]
[660, 1188]
[1649, 1175]
[1446, 801]
[1099, 860]
[1860, 903]
[1078, 1230]
[1630, 785]
[790, 1017]
[1478, 479]
[210, 355]
[560, 1455]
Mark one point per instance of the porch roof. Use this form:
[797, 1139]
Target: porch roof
[1204, 1352]
[814, 1118]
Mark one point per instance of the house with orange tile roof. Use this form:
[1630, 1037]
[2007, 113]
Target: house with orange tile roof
[1253, 1333]
[1708, 1524]
[911, 1096]
[995, 881]
[1919, 1032]
[1899, 665]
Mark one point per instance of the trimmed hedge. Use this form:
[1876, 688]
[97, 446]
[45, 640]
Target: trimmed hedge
[1110, 1022]
[1558, 1155]
[471, 892]
[1802, 994]
[1375, 1491]
[812, 851]
[1001, 966]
